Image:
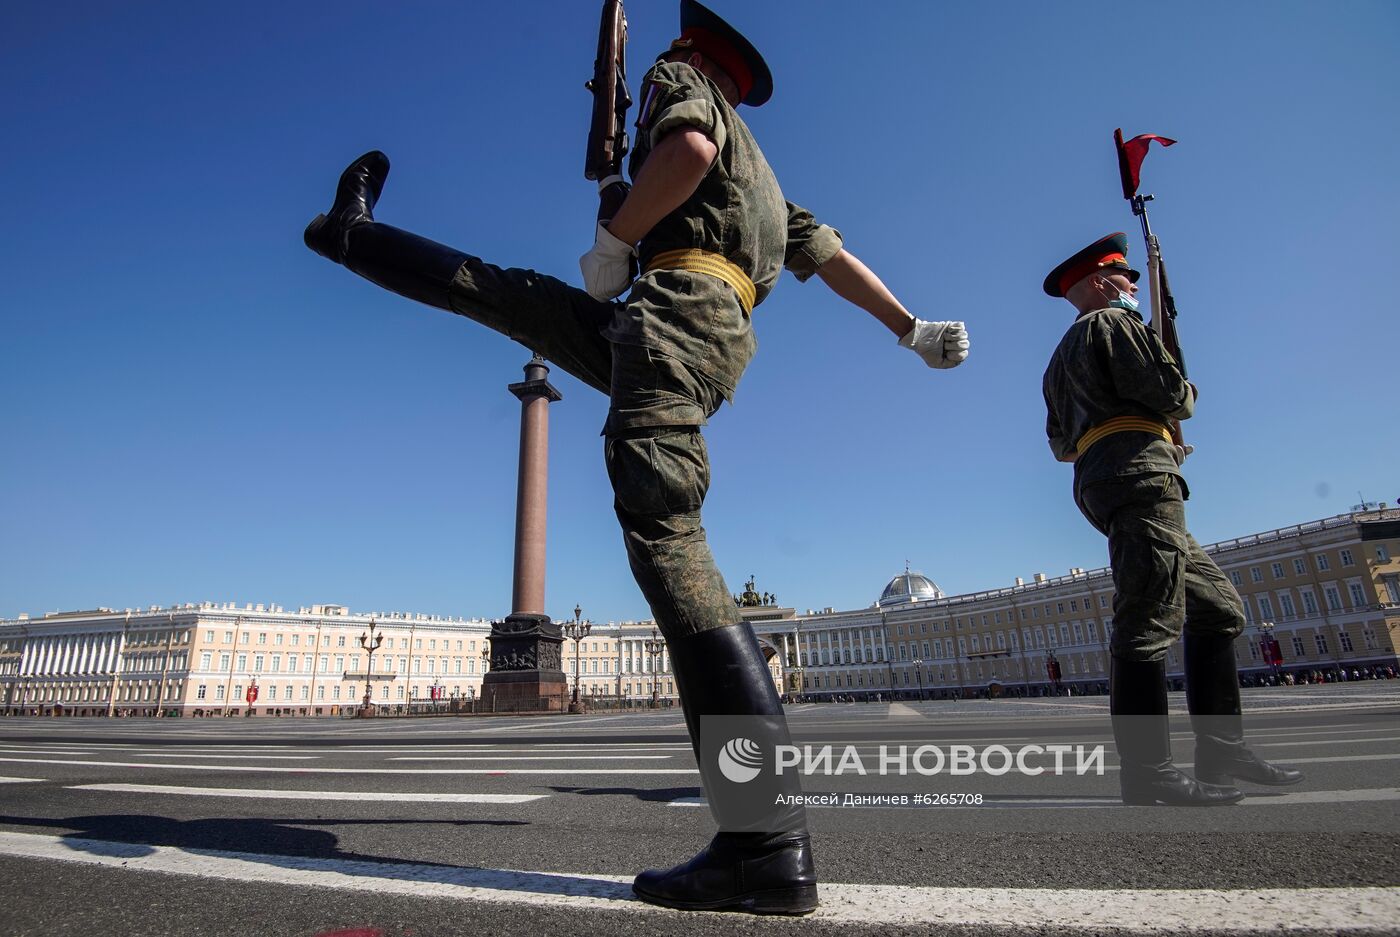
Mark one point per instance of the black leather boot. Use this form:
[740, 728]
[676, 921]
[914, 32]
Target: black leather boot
[1138, 703]
[1213, 697]
[399, 261]
[721, 672]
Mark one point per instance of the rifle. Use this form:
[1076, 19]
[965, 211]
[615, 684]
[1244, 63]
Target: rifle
[607, 133]
[1130, 156]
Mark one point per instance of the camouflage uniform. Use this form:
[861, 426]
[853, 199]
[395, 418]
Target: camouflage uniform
[676, 349]
[1128, 485]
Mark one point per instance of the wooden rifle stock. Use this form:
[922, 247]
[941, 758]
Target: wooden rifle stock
[1163, 320]
[607, 131]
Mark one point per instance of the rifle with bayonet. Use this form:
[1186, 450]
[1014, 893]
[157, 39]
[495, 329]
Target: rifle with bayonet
[607, 133]
[1131, 153]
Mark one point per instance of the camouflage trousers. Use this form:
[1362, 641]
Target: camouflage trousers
[1163, 582]
[656, 457]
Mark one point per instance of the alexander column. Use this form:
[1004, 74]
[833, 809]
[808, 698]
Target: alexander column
[526, 663]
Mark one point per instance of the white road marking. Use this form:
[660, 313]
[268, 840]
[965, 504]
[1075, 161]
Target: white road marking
[226, 756]
[1254, 799]
[1258, 798]
[1261, 910]
[312, 795]
[532, 758]
[516, 750]
[21, 780]
[1336, 758]
[1253, 744]
[1330, 730]
[40, 751]
[321, 770]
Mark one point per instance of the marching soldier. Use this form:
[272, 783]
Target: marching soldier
[1110, 390]
[710, 231]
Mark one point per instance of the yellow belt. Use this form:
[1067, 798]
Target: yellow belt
[1121, 424]
[698, 261]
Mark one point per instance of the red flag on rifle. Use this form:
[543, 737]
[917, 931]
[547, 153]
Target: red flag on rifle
[1131, 153]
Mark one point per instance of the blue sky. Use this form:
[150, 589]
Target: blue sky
[195, 407]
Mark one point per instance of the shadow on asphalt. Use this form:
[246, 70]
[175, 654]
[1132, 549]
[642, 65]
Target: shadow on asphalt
[662, 795]
[283, 844]
[270, 837]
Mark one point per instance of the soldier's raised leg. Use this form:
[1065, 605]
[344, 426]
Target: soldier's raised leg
[546, 315]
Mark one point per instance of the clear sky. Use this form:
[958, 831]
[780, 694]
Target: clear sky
[194, 407]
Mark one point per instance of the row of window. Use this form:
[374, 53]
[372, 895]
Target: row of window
[1067, 634]
[1287, 609]
[1321, 563]
[341, 641]
[1320, 643]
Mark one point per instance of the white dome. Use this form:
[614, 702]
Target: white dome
[909, 587]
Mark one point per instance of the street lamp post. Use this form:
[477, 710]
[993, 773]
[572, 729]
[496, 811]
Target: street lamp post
[654, 646]
[576, 631]
[919, 674]
[485, 668]
[370, 642]
[1267, 644]
[798, 667]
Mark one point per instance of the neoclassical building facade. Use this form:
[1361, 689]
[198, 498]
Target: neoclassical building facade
[1328, 592]
[203, 660]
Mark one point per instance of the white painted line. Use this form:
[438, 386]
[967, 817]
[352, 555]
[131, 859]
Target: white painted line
[21, 780]
[1260, 799]
[533, 758]
[1255, 798]
[40, 751]
[1253, 744]
[516, 750]
[1262, 910]
[517, 727]
[226, 756]
[1331, 730]
[312, 795]
[320, 770]
[1339, 758]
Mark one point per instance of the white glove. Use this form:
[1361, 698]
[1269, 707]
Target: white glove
[940, 344]
[607, 268]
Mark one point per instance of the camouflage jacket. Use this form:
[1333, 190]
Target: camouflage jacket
[1110, 364]
[737, 211]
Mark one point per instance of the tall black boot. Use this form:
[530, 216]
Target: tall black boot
[769, 870]
[1138, 704]
[401, 262]
[1213, 697]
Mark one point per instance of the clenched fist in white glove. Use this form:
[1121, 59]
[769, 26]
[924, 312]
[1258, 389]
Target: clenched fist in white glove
[607, 268]
[940, 344]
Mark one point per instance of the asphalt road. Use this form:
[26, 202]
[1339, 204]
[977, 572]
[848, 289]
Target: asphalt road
[521, 825]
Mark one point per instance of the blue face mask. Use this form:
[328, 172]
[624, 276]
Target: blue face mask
[1123, 300]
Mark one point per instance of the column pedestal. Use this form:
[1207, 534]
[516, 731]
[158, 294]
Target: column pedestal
[526, 666]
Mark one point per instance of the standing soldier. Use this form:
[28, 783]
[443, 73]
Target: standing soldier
[711, 231]
[1110, 390]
